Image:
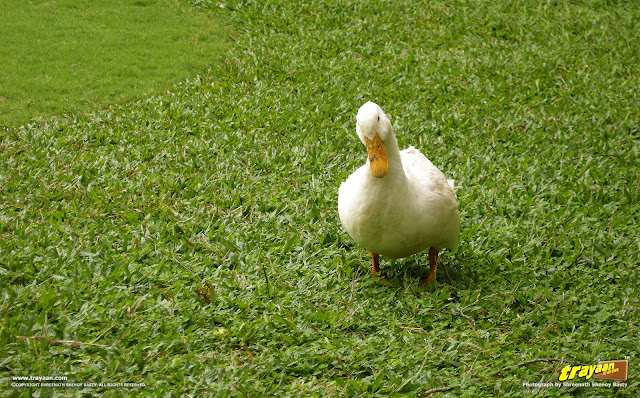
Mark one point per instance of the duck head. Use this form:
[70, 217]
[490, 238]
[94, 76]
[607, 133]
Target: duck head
[374, 128]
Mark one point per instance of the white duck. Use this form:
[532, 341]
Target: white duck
[398, 203]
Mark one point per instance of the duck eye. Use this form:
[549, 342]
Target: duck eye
[378, 118]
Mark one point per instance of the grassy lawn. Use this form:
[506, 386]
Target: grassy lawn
[69, 55]
[190, 241]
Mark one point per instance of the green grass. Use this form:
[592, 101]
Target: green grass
[193, 239]
[68, 55]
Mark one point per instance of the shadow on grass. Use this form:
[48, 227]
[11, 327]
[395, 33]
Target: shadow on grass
[413, 271]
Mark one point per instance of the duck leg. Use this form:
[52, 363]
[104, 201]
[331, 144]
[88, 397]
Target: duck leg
[375, 263]
[433, 257]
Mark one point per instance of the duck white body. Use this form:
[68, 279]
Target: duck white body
[401, 211]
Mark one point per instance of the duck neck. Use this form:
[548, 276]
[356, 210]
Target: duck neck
[393, 154]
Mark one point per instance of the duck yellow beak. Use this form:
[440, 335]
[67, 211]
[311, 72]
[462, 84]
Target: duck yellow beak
[378, 161]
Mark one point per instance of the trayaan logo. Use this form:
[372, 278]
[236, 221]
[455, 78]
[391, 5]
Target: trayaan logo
[608, 370]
